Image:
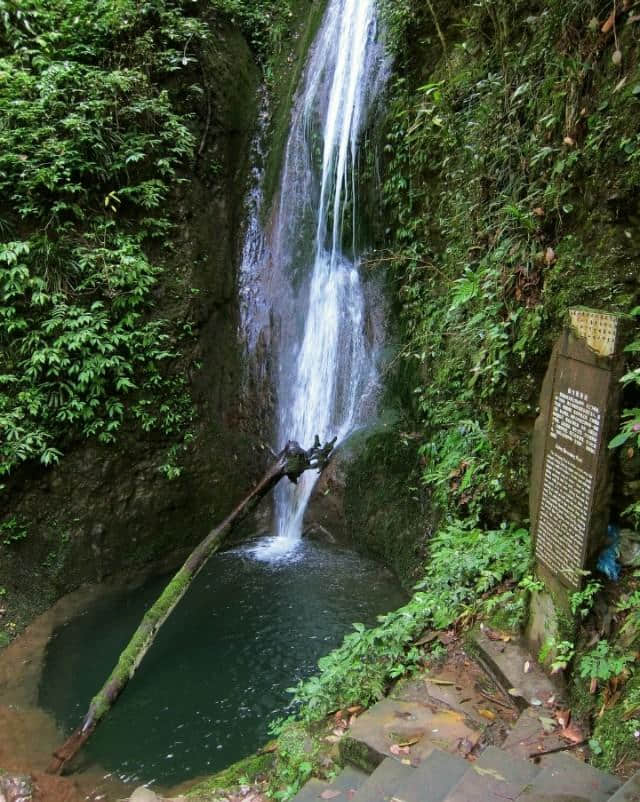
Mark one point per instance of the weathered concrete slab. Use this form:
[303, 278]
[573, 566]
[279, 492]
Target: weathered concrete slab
[529, 736]
[484, 785]
[382, 784]
[506, 662]
[417, 727]
[451, 691]
[565, 777]
[311, 791]
[630, 791]
[433, 779]
[348, 782]
[514, 770]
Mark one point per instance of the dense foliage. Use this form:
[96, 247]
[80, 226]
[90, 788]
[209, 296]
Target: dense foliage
[93, 140]
[510, 190]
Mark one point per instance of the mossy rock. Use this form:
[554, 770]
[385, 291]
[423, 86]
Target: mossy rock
[245, 771]
[386, 510]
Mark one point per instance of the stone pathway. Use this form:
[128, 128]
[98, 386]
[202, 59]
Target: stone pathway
[433, 740]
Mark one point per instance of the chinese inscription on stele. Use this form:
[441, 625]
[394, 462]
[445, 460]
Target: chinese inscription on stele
[567, 493]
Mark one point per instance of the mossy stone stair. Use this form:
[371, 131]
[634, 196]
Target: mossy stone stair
[495, 776]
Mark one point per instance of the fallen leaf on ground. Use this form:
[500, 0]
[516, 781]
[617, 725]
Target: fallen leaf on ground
[536, 702]
[410, 741]
[428, 638]
[440, 681]
[593, 687]
[355, 709]
[564, 717]
[489, 773]
[548, 724]
[527, 664]
[572, 733]
[609, 22]
[488, 714]
[515, 692]
[329, 794]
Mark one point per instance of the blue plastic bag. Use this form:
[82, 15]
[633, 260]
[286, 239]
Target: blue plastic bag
[608, 558]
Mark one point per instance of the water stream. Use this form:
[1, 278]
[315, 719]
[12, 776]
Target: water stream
[307, 264]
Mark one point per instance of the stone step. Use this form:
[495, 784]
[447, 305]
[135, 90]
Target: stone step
[565, 775]
[346, 785]
[528, 735]
[384, 781]
[484, 785]
[348, 782]
[506, 663]
[629, 792]
[432, 780]
[311, 791]
[514, 770]
[423, 725]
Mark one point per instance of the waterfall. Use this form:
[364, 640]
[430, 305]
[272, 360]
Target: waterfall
[309, 268]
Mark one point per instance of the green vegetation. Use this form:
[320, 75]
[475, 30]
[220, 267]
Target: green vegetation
[12, 531]
[243, 772]
[603, 678]
[298, 757]
[509, 189]
[629, 435]
[91, 146]
[94, 140]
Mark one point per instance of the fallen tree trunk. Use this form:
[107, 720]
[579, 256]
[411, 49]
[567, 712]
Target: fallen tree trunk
[292, 462]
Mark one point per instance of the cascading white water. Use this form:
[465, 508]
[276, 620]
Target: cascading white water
[310, 275]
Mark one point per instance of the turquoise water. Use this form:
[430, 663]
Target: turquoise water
[218, 672]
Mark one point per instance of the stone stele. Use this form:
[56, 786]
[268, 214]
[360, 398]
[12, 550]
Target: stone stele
[571, 471]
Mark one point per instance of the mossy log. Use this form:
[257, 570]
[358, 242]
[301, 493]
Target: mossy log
[291, 462]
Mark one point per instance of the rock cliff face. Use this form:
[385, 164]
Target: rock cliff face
[105, 508]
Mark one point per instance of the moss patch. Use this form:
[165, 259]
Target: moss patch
[386, 509]
[243, 772]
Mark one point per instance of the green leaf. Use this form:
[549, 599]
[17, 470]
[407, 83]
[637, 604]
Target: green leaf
[620, 439]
